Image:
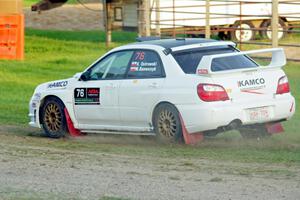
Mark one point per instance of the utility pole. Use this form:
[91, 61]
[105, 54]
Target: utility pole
[157, 18]
[147, 17]
[207, 23]
[274, 23]
[107, 22]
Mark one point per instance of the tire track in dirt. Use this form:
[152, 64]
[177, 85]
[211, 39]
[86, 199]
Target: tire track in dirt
[28, 166]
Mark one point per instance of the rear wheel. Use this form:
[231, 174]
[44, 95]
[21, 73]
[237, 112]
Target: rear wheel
[243, 31]
[267, 32]
[167, 124]
[254, 131]
[53, 118]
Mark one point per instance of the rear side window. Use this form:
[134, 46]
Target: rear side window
[111, 67]
[189, 60]
[145, 64]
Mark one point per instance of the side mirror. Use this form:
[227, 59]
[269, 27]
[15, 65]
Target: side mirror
[85, 76]
[77, 75]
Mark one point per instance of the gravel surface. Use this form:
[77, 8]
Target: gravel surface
[33, 171]
[77, 17]
[67, 17]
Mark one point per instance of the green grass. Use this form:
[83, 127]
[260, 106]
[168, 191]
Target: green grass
[52, 55]
[49, 55]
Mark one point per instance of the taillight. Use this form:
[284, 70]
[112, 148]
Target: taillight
[283, 85]
[212, 92]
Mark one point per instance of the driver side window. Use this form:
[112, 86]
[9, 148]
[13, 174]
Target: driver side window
[111, 67]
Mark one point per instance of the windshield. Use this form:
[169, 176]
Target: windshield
[188, 60]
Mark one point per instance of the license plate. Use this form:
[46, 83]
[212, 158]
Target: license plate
[258, 114]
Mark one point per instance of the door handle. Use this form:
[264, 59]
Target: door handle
[111, 86]
[153, 85]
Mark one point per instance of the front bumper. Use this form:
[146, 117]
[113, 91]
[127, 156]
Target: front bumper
[34, 105]
[212, 115]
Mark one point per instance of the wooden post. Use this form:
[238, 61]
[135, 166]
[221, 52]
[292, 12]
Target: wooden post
[147, 17]
[207, 23]
[174, 29]
[157, 18]
[274, 23]
[140, 18]
[107, 22]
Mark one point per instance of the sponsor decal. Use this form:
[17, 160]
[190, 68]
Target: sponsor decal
[134, 69]
[251, 82]
[251, 85]
[139, 64]
[202, 71]
[136, 66]
[228, 90]
[58, 84]
[251, 91]
[87, 96]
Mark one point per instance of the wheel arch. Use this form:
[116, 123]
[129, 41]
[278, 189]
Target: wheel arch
[161, 103]
[43, 100]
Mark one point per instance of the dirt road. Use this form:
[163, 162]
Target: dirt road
[40, 168]
[67, 17]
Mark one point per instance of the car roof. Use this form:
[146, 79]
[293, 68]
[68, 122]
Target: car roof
[171, 43]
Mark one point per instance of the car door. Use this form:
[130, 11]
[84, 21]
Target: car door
[141, 89]
[95, 100]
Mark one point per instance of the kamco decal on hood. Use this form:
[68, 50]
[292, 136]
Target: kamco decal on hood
[58, 84]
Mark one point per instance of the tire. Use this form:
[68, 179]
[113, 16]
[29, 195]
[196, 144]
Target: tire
[242, 35]
[254, 131]
[223, 36]
[167, 124]
[267, 33]
[53, 118]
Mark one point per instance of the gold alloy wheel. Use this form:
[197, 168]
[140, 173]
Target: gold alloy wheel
[167, 123]
[53, 117]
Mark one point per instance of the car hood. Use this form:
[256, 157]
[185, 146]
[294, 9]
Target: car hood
[55, 85]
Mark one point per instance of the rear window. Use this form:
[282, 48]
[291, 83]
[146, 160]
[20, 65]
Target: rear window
[188, 60]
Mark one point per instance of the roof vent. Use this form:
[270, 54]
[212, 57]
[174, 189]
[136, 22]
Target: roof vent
[149, 38]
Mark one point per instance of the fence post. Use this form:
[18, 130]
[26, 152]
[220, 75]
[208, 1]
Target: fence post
[274, 23]
[140, 18]
[207, 25]
[157, 17]
[147, 17]
[107, 22]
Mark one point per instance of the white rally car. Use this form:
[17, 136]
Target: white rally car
[162, 87]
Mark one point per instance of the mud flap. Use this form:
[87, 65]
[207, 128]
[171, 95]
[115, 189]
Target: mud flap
[72, 130]
[190, 138]
[274, 128]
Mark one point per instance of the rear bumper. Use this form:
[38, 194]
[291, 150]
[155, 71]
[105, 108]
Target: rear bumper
[212, 115]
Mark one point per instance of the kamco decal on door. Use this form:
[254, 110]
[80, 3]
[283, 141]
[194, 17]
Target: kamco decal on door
[87, 96]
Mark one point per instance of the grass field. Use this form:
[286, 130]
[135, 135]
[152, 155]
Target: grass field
[54, 55]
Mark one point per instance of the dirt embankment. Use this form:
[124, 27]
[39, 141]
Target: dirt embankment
[67, 17]
[36, 167]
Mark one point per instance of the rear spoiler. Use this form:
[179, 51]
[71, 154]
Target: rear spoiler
[278, 60]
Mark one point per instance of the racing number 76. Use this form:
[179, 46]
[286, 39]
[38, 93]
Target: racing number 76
[80, 92]
[140, 55]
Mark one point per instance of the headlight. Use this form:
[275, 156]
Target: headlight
[36, 97]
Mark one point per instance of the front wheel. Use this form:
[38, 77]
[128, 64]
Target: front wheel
[53, 118]
[167, 124]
